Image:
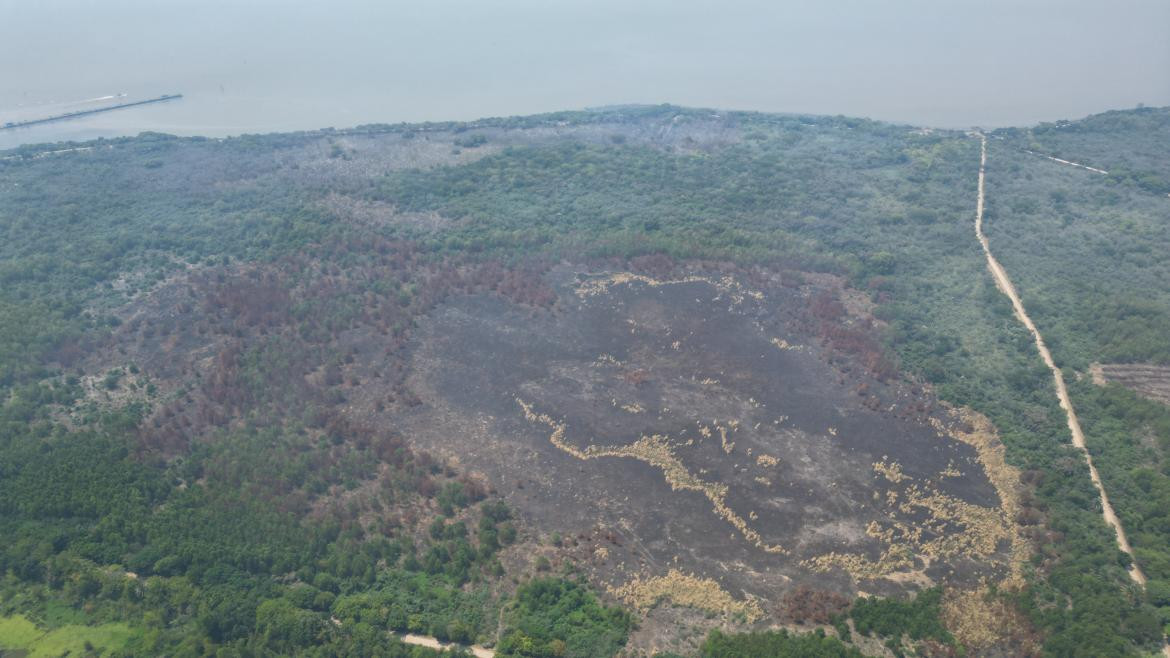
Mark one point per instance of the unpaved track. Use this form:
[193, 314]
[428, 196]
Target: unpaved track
[434, 643]
[1074, 425]
[1067, 162]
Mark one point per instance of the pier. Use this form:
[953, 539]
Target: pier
[82, 113]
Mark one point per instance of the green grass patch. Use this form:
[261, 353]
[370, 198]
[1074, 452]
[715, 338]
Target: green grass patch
[17, 632]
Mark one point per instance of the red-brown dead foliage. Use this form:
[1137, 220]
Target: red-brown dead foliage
[805, 605]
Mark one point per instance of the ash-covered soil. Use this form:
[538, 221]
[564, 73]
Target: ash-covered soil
[691, 426]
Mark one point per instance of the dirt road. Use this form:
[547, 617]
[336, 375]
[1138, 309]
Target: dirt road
[433, 643]
[1074, 425]
[1067, 162]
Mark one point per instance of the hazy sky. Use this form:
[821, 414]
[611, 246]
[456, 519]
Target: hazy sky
[262, 65]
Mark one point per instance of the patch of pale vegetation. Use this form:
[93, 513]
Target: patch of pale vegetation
[924, 522]
[891, 471]
[979, 621]
[727, 446]
[897, 558]
[379, 214]
[726, 284]
[654, 449]
[875, 530]
[983, 527]
[977, 431]
[633, 408]
[767, 461]
[117, 388]
[934, 526]
[784, 345]
[687, 590]
[608, 360]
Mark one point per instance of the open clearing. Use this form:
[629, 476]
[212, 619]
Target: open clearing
[1149, 381]
[21, 637]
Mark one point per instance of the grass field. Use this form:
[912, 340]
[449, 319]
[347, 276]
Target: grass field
[17, 632]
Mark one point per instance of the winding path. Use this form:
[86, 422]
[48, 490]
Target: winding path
[1074, 425]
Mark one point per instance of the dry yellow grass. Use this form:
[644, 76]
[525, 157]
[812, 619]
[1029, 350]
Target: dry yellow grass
[979, 622]
[896, 558]
[784, 345]
[977, 431]
[685, 590]
[951, 527]
[951, 471]
[891, 471]
[725, 284]
[608, 360]
[982, 527]
[767, 461]
[728, 446]
[655, 450]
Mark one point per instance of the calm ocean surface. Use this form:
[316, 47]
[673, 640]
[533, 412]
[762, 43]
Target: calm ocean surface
[264, 66]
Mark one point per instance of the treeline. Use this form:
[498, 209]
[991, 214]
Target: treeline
[1086, 257]
[215, 562]
[775, 644]
[1126, 143]
[1129, 438]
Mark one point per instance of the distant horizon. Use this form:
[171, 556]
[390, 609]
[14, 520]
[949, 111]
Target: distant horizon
[991, 63]
[589, 109]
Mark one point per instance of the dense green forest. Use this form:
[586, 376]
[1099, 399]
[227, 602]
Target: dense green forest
[241, 515]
